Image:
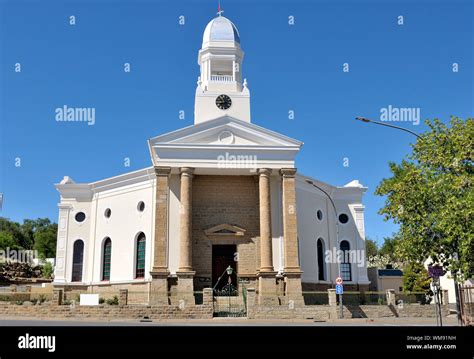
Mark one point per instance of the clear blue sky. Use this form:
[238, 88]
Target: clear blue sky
[295, 68]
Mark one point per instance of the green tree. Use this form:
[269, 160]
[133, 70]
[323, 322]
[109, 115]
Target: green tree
[389, 247]
[14, 229]
[32, 226]
[39, 234]
[370, 248]
[416, 278]
[7, 241]
[45, 240]
[431, 196]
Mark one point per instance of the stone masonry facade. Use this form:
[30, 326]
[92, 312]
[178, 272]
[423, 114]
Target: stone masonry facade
[229, 200]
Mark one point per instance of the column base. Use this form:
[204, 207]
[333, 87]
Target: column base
[293, 288]
[267, 288]
[159, 288]
[185, 287]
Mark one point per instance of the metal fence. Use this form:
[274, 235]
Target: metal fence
[466, 298]
[230, 303]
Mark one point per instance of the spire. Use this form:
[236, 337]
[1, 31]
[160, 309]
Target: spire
[219, 11]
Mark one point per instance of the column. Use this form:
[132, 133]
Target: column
[160, 272]
[267, 293]
[291, 269]
[63, 267]
[185, 272]
[233, 71]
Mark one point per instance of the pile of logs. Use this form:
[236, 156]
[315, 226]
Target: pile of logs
[16, 270]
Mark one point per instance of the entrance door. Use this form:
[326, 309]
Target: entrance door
[223, 257]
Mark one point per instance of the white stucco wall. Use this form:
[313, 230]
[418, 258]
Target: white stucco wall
[347, 200]
[123, 227]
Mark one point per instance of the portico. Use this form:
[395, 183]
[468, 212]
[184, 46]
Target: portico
[244, 222]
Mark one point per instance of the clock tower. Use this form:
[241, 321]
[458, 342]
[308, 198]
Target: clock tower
[220, 89]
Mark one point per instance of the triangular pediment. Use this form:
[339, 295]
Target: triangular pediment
[224, 142]
[225, 131]
[223, 230]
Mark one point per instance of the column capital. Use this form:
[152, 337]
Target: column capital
[264, 171]
[162, 171]
[288, 172]
[186, 171]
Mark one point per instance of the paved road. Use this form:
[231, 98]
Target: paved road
[450, 321]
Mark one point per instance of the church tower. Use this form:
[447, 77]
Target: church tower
[220, 90]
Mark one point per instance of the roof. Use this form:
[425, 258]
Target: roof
[220, 29]
[390, 273]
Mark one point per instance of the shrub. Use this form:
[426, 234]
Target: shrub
[47, 270]
[113, 301]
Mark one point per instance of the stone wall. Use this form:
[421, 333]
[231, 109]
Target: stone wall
[225, 200]
[418, 310]
[288, 311]
[55, 310]
[138, 293]
[316, 312]
[105, 312]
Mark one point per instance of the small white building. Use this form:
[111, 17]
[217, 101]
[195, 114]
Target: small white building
[221, 192]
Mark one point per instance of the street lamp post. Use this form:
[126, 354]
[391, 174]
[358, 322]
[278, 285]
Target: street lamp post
[337, 235]
[366, 120]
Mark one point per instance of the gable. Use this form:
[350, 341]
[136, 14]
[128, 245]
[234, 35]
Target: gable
[225, 230]
[201, 145]
[210, 132]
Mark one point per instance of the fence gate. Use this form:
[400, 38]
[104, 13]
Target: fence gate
[228, 301]
[466, 296]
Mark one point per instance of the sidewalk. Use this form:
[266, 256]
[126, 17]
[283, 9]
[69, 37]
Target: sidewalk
[449, 321]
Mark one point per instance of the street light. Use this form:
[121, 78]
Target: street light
[366, 120]
[337, 232]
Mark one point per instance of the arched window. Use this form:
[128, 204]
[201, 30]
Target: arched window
[77, 260]
[346, 273]
[140, 256]
[106, 258]
[321, 264]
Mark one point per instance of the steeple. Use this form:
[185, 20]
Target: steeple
[221, 90]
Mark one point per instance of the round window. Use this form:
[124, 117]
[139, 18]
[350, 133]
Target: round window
[80, 216]
[343, 218]
[108, 213]
[319, 214]
[141, 206]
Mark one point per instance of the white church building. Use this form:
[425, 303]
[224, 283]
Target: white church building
[221, 192]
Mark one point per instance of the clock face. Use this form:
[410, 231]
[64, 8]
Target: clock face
[223, 102]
